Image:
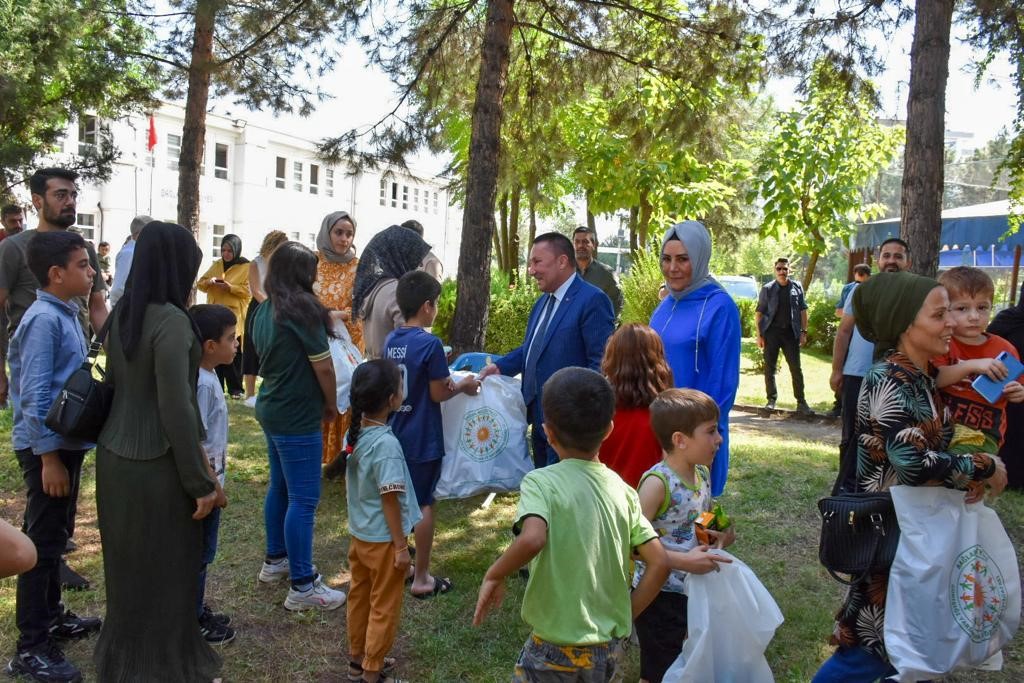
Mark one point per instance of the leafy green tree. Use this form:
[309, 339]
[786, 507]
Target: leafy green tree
[814, 164]
[60, 60]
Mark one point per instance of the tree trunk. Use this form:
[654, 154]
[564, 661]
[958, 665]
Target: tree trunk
[809, 273]
[501, 234]
[469, 324]
[512, 255]
[634, 220]
[921, 202]
[590, 216]
[532, 202]
[646, 209]
[193, 134]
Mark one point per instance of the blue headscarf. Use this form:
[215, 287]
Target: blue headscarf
[697, 240]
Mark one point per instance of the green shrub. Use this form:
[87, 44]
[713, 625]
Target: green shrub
[506, 321]
[445, 310]
[747, 306]
[822, 323]
[640, 286]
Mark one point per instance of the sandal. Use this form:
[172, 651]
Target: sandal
[355, 669]
[441, 586]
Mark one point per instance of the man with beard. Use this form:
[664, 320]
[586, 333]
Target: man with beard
[55, 198]
[852, 355]
[584, 242]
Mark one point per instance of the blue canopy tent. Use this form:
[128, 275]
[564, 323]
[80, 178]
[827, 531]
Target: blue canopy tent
[971, 236]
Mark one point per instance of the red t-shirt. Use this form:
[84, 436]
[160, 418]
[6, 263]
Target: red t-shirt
[980, 425]
[631, 449]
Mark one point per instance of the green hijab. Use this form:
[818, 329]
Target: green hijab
[886, 305]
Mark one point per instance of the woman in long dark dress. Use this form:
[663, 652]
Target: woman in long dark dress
[152, 482]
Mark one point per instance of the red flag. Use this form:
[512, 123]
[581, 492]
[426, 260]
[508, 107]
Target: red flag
[151, 142]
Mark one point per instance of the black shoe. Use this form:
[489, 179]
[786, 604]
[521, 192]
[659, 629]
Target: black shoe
[72, 580]
[803, 408]
[44, 663]
[214, 633]
[215, 617]
[770, 405]
[835, 412]
[70, 626]
[70, 547]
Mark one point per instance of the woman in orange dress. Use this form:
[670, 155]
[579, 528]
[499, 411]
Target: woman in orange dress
[335, 278]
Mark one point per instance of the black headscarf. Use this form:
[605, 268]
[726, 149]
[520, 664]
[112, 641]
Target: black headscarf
[235, 242]
[391, 253]
[164, 266]
[1009, 323]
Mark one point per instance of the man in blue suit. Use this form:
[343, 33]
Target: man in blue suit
[568, 326]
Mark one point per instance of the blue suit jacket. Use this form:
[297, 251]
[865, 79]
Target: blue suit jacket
[576, 336]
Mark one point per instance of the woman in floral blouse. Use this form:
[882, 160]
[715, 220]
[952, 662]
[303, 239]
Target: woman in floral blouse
[335, 278]
[902, 433]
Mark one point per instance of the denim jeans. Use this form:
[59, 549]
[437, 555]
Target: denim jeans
[853, 665]
[211, 527]
[292, 499]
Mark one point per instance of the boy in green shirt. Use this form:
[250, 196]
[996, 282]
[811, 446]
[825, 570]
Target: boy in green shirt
[577, 524]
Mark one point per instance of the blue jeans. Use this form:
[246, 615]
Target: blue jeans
[853, 665]
[292, 499]
[211, 527]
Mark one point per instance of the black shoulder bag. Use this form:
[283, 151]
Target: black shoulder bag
[83, 404]
[859, 531]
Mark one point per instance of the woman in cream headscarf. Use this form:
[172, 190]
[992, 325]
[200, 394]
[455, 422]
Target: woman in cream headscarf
[335, 280]
[907, 318]
[700, 326]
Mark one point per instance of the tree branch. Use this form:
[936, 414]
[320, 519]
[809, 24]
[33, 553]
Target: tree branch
[162, 60]
[263, 36]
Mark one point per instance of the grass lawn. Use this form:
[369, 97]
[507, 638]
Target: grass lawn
[779, 471]
[816, 366]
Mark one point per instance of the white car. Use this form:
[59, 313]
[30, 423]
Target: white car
[739, 286]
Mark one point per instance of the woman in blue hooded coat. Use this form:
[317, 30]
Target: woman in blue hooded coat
[699, 324]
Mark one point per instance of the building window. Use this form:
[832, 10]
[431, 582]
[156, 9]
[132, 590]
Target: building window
[88, 130]
[405, 196]
[435, 202]
[173, 151]
[86, 223]
[311, 240]
[383, 191]
[220, 161]
[297, 175]
[294, 236]
[314, 179]
[416, 199]
[280, 173]
[329, 182]
[218, 235]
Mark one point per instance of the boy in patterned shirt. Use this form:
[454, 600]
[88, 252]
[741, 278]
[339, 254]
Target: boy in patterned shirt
[673, 494]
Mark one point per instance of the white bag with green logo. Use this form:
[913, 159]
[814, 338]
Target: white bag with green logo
[954, 595]
[485, 447]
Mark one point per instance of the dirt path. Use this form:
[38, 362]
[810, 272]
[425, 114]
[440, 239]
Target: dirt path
[812, 430]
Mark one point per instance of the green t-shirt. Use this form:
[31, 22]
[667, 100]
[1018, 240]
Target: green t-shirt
[290, 400]
[578, 593]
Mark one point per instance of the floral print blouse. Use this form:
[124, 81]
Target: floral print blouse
[902, 436]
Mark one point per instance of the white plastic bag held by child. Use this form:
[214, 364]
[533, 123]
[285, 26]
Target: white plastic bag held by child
[484, 440]
[954, 589]
[731, 619]
[345, 356]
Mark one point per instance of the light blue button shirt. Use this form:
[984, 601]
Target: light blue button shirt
[46, 348]
[859, 355]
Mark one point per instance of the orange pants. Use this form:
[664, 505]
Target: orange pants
[374, 601]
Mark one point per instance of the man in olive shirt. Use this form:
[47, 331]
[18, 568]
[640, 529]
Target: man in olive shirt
[12, 218]
[55, 197]
[584, 241]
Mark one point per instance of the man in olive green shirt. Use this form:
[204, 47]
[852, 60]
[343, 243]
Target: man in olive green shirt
[584, 240]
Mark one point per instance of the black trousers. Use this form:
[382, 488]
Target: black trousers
[46, 523]
[848, 442]
[776, 338]
[230, 374]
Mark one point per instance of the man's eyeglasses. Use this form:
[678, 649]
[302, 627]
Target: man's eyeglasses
[782, 269]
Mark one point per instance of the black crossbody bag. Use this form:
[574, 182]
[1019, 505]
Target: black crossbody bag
[84, 402]
[859, 531]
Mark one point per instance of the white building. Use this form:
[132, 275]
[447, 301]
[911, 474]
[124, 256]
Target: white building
[254, 180]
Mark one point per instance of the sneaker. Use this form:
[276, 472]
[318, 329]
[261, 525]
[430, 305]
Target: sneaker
[318, 596]
[770, 405]
[44, 662]
[250, 402]
[272, 572]
[216, 617]
[70, 626]
[803, 408]
[72, 580]
[214, 632]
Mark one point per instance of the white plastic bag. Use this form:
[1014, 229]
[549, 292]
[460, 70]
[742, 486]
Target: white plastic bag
[954, 589]
[731, 618]
[484, 440]
[345, 356]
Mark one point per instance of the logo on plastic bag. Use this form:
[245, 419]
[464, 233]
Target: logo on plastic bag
[977, 593]
[484, 434]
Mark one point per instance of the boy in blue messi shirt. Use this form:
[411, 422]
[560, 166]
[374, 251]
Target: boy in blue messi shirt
[46, 349]
[426, 382]
[578, 525]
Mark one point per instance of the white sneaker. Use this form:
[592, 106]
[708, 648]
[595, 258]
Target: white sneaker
[250, 402]
[272, 572]
[317, 597]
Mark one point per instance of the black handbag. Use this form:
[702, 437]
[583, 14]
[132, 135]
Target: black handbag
[84, 402]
